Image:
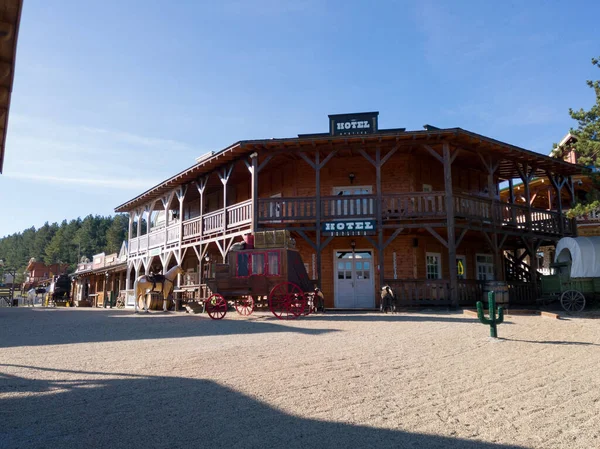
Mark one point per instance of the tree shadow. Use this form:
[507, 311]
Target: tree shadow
[117, 410]
[38, 327]
[552, 342]
[441, 316]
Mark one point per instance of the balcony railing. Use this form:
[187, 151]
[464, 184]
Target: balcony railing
[406, 206]
[173, 233]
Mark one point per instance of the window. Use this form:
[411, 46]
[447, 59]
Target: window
[461, 267]
[258, 263]
[273, 263]
[427, 188]
[243, 264]
[434, 265]
[485, 267]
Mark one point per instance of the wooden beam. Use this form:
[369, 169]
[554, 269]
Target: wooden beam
[437, 236]
[434, 153]
[460, 237]
[308, 240]
[450, 225]
[392, 237]
[367, 157]
[265, 162]
[307, 159]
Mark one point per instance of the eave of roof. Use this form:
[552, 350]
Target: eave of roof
[5, 102]
[248, 146]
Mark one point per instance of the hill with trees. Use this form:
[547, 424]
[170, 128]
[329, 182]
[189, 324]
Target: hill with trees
[66, 242]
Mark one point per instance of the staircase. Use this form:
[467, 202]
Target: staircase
[517, 270]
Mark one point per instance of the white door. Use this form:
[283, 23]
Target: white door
[354, 285]
[485, 267]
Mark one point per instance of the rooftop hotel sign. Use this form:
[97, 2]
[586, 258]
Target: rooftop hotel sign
[353, 124]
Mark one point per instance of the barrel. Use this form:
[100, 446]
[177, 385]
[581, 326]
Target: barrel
[499, 288]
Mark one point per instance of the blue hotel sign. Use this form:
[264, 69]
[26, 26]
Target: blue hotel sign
[348, 227]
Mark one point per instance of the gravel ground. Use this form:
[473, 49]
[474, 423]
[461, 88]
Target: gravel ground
[75, 378]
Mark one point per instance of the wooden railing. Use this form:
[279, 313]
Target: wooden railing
[133, 245]
[351, 206]
[414, 205]
[522, 293]
[192, 228]
[156, 238]
[173, 233]
[213, 222]
[427, 292]
[239, 214]
[421, 292]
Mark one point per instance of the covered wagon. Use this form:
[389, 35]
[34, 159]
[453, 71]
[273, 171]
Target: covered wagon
[576, 273]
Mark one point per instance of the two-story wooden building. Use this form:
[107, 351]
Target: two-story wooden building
[419, 210]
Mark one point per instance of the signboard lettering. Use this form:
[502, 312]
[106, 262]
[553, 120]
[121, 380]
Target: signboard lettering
[349, 227]
[353, 124]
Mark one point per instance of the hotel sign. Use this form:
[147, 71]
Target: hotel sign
[349, 227]
[353, 124]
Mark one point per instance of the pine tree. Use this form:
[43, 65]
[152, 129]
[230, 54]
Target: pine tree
[587, 145]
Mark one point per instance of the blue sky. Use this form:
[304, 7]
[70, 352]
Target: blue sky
[111, 97]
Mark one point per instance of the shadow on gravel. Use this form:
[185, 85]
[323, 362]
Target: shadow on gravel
[173, 412]
[442, 317]
[551, 342]
[39, 327]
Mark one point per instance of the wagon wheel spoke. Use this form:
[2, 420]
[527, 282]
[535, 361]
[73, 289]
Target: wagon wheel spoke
[245, 305]
[216, 307]
[287, 301]
[572, 301]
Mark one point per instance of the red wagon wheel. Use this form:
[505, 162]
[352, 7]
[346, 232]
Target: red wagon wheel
[287, 301]
[245, 305]
[216, 307]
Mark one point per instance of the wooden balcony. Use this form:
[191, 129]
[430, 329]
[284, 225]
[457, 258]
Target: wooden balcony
[413, 207]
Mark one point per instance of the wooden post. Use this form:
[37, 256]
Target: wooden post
[379, 212]
[557, 182]
[201, 186]
[180, 196]
[254, 189]
[511, 199]
[450, 225]
[224, 177]
[140, 214]
[318, 214]
[129, 230]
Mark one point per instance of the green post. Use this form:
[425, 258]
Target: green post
[492, 321]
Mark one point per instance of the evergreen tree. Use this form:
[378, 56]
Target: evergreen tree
[587, 145]
[116, 233]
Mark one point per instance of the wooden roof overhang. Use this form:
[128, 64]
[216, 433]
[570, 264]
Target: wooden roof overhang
[511, 157]
[10, 18]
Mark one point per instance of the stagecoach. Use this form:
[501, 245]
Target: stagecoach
[576, 274]
[262, 278]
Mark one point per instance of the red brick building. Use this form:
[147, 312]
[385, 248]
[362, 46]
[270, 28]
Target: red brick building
[419, 210]
[39, 272]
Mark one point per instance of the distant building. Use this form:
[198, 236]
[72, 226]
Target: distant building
[38, 272]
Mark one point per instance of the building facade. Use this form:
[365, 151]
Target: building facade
[102, 278]
[418, 210]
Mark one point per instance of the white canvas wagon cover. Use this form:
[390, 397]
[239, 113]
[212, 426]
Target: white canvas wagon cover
[583, 253]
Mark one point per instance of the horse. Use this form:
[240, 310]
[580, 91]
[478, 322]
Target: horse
[156, 283]
[389, 300]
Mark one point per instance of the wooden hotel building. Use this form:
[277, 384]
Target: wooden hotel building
[418, 210]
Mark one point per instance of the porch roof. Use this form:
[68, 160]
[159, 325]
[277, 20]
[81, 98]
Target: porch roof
[458, 137]
[10, 18]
